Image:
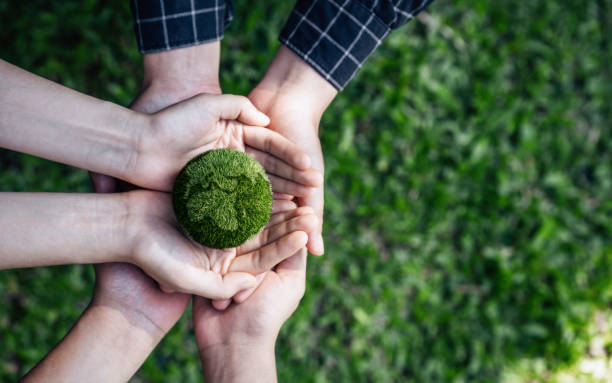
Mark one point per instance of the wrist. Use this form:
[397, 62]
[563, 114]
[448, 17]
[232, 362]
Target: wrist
[118, 147]
[130, 329]
[291, 80]
[240, 362]
[138, 204]
[123, 333]
[117, 342]
[102, 346]
[183, 72]
[140, 127]
[109, 215]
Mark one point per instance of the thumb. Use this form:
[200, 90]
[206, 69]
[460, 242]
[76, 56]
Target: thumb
[315, 238]
[228, 285]
[232, 107]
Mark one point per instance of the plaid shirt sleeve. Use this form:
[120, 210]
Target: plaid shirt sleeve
[162, 25]
[335, 37]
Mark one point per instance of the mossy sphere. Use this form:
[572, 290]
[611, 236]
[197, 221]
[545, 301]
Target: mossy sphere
[222, 198]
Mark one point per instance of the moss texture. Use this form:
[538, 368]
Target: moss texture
[222, 198]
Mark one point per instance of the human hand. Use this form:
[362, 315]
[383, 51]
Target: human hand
[173, 136]
[295, 96]
[128, 290]
[235, 342]
[168, 78]
[179, 264]
[123, 323]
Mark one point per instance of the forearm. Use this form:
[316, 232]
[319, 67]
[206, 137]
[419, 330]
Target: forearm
[40, 229]
[239, 363]
[103, 346]
[40, 117]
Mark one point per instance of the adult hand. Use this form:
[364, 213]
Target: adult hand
[178, 263]
[295, 96]
[126, 289]
[168, 78]
[173, 136]
[240, 340]
[125, 320]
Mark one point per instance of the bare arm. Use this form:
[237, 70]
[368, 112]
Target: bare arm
[126, 319]
[40, 229]
[103, 346]
[40, 117]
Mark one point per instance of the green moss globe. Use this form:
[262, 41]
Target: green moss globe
[222, 198]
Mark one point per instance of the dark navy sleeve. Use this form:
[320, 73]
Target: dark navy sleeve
[168, 24]
[336, 37]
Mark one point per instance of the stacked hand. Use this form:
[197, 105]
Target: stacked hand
[235, 342]
[265, 276]
[180, 264]
[147, 151]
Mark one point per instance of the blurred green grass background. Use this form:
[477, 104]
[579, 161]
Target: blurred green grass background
[468, 192]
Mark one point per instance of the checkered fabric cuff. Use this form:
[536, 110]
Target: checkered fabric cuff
[162, 25]
[336, 37]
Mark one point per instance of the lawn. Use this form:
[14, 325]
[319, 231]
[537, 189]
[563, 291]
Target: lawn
[468, 194]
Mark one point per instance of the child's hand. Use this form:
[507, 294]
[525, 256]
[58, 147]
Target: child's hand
[179, 264]
[173, 136]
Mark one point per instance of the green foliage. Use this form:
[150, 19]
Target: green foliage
[468, 179]
[222, 198]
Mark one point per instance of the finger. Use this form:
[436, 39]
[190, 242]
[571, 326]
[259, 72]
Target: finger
[282, 185]
[223, 304]
[293, 273]
[282, 196]
[232, 107]
[285, 216]
[232, 283]
[103, 183]
[315, 238]
[296, 263]
[279, 206]
[271, 142]
[245, 294]
[270, 255]
[304, 223]
[213, 286]
[273, 165]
